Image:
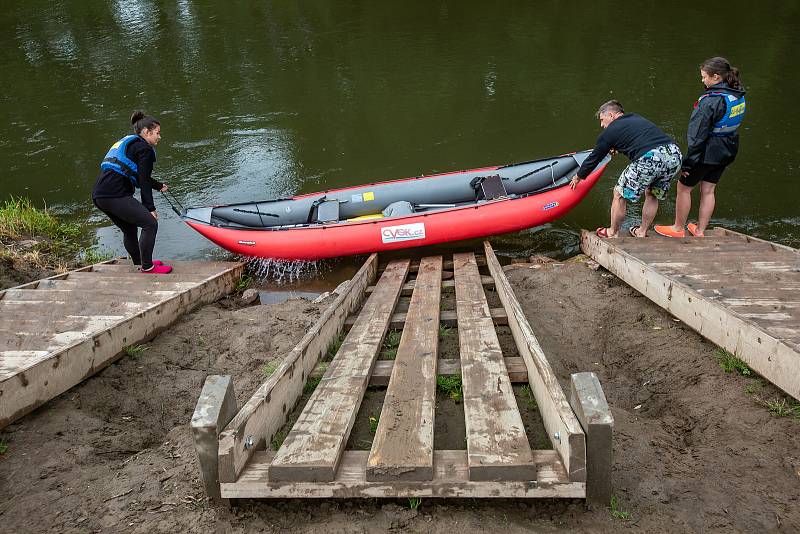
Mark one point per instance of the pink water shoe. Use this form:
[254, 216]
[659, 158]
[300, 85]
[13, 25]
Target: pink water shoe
[157, 269]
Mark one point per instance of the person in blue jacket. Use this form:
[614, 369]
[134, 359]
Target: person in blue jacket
[713, 139]
[128, 165]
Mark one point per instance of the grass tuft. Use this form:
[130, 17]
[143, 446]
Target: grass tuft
[3, 446]
[334, 347]
[311, 384]
[242, 284]
[268, 369]
[414, 502]
[450, 385]
[373, 423]
[19, 218]
[390, 344]
[616, 510]
[730, 362]
[277, 440]
[530, 398]
[444, 331]
[134, 351]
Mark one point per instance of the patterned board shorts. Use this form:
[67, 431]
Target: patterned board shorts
[654, 170]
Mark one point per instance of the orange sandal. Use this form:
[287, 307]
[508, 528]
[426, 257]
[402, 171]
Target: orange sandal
[667, 231]
[692, 227]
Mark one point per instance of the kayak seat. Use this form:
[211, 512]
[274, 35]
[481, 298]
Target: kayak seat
[492, 187]
[328, 211]
[399, 208]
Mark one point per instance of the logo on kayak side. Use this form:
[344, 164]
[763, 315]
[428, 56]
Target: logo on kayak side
[248, 243]
[550, 205]
[403, 232]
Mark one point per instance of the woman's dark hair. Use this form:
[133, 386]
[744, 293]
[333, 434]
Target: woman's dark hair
[141, 121]
[721, 66]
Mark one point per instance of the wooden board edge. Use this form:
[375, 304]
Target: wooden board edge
[728, 231]
[563, 428]
[249, 427]
[768, 356]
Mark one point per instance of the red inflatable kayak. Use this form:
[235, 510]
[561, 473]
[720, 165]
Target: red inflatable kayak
[398, 214]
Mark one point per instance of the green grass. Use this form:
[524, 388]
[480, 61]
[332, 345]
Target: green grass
[334, 347]
[3, 447]
[444, 331]
[730, 362]
[616, 510]
[780, 407]
[373, 423]
[277, 441]
[243, 283]
[311, 384]
[414, 502]
[92, 255]
[390, 344]
[268, 368]
[530, 399]
[754, 387]
[19, 218]
[134, 351]
[450, 385]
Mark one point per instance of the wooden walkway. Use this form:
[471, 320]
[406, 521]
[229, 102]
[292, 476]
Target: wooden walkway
[313, 459]
[58, 331]
[740, 292]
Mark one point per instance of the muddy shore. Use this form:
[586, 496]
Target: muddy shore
[696, 450]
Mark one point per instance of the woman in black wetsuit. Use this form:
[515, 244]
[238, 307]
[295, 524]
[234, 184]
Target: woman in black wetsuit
[128, 165]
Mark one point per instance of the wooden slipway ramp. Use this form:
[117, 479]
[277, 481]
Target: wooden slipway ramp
[738, 291]
[497, 461]
[58, 331]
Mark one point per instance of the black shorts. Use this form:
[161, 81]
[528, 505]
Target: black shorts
[704, 172]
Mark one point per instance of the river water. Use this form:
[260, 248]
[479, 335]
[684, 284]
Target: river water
[265, 99]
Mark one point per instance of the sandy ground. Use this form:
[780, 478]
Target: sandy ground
[694, 451]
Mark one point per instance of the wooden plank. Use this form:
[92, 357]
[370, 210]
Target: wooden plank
[83, 323]
[767, 355]
[266, 411]
[61, 276]
[382, 371]
[131, 284]
[403, 445]
[560, 422]
[89, 294]
[719, 230]
[215, 407]
[314, 446]
[171, 277]
[62, 369]
[446, 317]
[497, 446]
[450, 479]
[408, 287]
[447, 265]
[59, 308]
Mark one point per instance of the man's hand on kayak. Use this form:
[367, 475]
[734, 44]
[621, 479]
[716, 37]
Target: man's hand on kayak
[574, 182]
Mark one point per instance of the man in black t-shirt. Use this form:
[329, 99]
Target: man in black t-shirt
[655, 160]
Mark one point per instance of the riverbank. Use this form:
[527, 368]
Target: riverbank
[696, 448]
[35, 244]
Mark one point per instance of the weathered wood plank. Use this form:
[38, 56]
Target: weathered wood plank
[408, 287]
[403, 445]
[215, 407]
[562, 427]
[313, 448]
[446, 317]
[497, 446]
[721, 231]
[382, 371]
[61, 369]
[265, 412]
[769, 356]
[450, 479]
[89, 294]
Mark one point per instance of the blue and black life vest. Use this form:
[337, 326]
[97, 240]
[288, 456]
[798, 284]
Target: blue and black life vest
[116, 160]
[734, 113]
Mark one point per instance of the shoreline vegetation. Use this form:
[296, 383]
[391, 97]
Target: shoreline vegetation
[34, 244]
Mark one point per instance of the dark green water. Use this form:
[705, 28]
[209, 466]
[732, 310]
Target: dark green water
[272, 98]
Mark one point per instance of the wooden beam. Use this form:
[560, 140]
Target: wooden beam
[497, 445]
[408, 287]
[382, 371]
[769, 356]
[215, 407]
[313, 448]
[719, 230]
[562, 427]
[266, 411]
[450, 479]
[403, 445]
[446, 317]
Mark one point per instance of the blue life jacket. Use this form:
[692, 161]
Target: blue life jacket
[116, 160]
[734, 114]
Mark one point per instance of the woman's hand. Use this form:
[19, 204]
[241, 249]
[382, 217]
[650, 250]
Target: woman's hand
[163, 189]
[574, 182]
